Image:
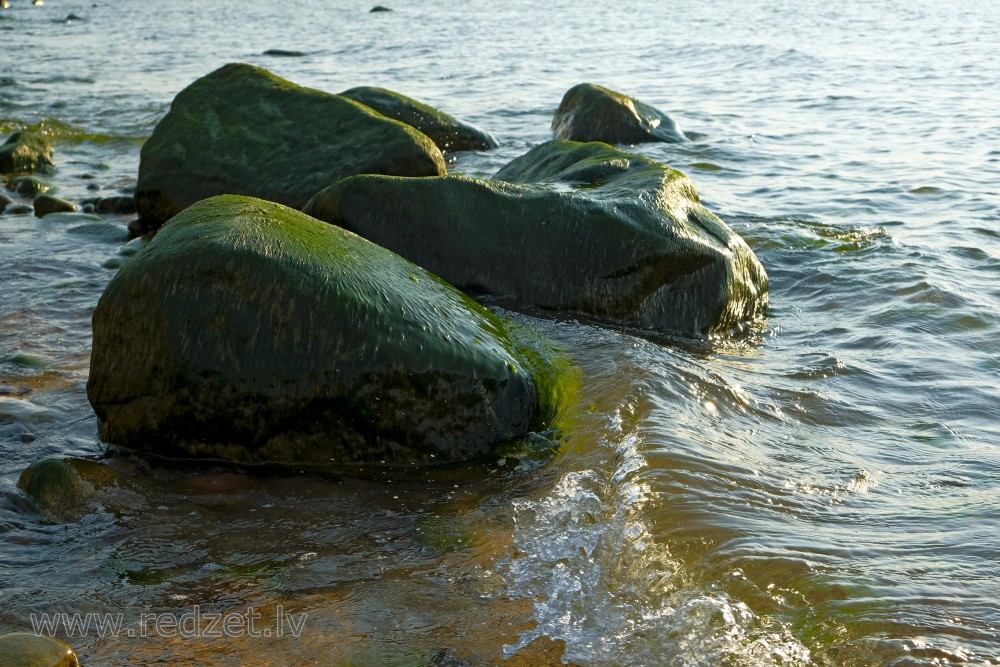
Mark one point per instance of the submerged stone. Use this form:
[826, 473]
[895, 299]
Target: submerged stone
[448, 133]
[112, 205]
[283, 53]
[30, 186]
[243, 130]
[25, 152]
[583, 228]
[593, 113]
[248, 332]
[65, 486]
[24, 649]
[18, 209]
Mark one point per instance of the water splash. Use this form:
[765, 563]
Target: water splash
[600, 581]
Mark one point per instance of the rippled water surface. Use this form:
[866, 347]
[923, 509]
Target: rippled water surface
[821, 492]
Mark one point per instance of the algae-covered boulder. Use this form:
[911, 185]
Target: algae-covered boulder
[24, 649]
[447, 132]
[594, 113]
[583, 228]
[248, 332]
[243, 130]
[25, 153]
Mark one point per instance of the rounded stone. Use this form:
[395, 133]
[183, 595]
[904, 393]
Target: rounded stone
[23, 649]
[46, 204]
[593, 113]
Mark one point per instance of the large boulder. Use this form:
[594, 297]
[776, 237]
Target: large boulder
[583, 228]
[248, 332]
[446, 131]
[594, 113]
[25, 153]
[243, 130]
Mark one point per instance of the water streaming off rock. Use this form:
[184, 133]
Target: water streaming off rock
[821, 491]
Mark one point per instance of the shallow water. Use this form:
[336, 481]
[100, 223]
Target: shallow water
[821, 492]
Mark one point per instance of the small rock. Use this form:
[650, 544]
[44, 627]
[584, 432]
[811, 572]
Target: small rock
[5, 201]
[69, 487]
[138, 227]
[55, 483]
[14, 431]
[46, 204]
[112, 205]
[282, 53]
[115, 205]
[24, 649]
[88, 208]
[594, 113]
[25, 152]
[31, 186]
[102, 232]
[133, 246]
[18, 209]
[378, 8]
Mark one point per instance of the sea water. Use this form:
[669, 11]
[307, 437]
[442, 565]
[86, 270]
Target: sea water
[821, 491]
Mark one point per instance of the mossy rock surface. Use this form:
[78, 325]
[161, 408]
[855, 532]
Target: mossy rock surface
[25, 153]
[24, 649]
[248, 332]
[594, 113]
[446, 131]
[243, 130]
[583, 228]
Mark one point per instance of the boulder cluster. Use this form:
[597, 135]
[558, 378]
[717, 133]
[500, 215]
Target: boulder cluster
[307, 296]
[26, 158]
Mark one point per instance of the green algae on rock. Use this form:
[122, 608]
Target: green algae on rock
[248, 332]
[594, 113]
[573, 227]
[243, 130]
[25, 649]
[25, 153]
[446, 131]
[67, 487]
